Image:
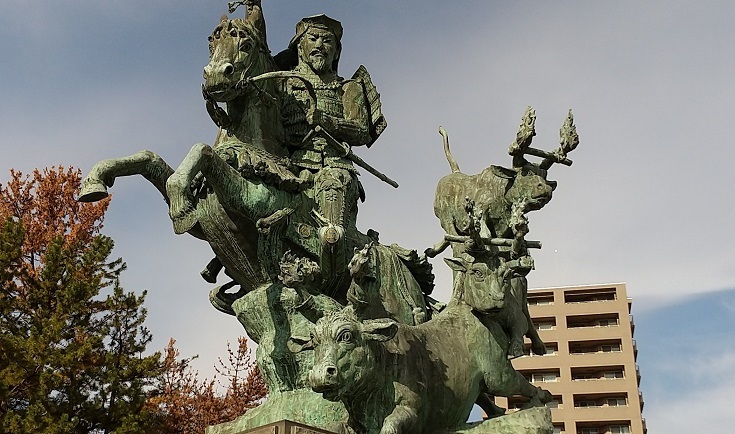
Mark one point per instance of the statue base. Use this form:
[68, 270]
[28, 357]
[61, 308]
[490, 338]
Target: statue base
[285, 427]
[304, 406]
[535, 420]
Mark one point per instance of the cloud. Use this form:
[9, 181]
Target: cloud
[706, 410]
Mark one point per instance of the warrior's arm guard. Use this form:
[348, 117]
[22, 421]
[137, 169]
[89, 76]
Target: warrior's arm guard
[354, 127]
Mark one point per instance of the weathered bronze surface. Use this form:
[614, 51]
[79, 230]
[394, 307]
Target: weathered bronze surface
[349, 339]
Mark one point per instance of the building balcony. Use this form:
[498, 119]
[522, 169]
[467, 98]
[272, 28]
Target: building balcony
[632, 325]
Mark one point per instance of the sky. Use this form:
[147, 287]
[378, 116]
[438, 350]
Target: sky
[647, 200]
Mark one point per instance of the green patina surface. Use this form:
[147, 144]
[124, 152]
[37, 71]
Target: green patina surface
[349, 339]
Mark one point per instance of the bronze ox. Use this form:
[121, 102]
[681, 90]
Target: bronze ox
[488, 288]
[394, 378]
[493, 194]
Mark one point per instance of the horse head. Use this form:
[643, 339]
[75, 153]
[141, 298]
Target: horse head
[238, 51]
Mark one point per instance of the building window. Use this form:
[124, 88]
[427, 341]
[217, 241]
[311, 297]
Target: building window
[612, 375]
[589, 430]
[593, 320]
[544, 324]
[619, 429]
[544, 377]
[542, 299]
[551, 349]
[597, 373]
[600, 400]
[588, 296]
[555, 402]
[617, 402]
[558, 429]
[607, 322]
[595, 346]
[614, 348]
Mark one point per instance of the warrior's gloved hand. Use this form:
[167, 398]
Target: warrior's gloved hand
[314, 117]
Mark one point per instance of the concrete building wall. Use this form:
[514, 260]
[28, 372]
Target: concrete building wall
[591, 366]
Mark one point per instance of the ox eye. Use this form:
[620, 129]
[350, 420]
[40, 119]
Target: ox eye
[478, 274]
[345, 336]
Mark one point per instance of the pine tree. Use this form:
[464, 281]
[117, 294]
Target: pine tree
[71, 340]
[184, 404]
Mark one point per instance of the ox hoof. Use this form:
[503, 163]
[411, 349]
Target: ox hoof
[540, 399]
[92, 191]
[538, 348]
[515, 350]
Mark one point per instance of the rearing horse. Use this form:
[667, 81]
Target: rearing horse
[240, 195]
[249, 141]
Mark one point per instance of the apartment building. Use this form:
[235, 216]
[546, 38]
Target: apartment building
[590, 366]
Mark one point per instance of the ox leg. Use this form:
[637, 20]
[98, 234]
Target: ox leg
[519, 286]
[103, 174]
[401, 421]
[518, 327]
[487, 404]
[509, 382]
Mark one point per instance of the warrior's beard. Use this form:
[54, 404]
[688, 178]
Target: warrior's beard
[318, 63]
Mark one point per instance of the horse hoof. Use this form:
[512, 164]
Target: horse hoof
[208, 276]
[184, 222]
[92, 191]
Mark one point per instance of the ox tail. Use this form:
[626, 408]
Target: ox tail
[452, 162]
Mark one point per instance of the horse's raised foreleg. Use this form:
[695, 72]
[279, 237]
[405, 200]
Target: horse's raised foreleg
[250, 199]
[181, 202]
[103, 174]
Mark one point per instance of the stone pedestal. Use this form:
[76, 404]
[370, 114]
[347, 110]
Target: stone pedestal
[530, 421]
[285, 427]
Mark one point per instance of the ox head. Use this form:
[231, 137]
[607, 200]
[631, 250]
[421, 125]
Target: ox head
[527, 184]
[481, 284]
[237, 51]
[345, 353]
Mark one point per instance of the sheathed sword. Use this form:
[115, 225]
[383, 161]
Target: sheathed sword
[348, 154]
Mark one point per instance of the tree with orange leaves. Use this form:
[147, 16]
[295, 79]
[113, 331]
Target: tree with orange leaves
[71, 340]
[183, 404]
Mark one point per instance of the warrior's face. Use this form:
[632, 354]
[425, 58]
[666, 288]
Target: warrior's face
[318, 49]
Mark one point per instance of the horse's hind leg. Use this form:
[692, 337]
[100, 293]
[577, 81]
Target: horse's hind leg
[103, 174]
